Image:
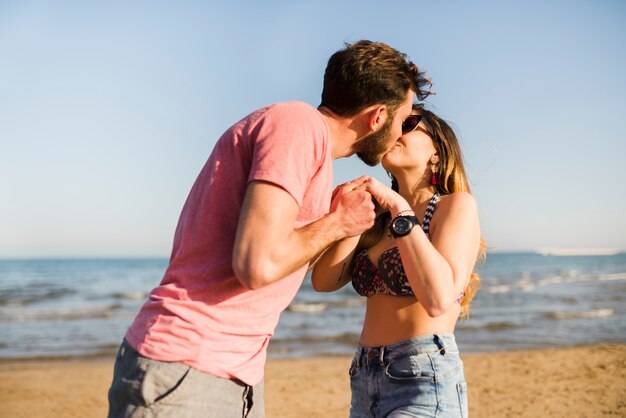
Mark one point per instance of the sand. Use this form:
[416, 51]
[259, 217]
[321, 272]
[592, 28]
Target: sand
[587, 381]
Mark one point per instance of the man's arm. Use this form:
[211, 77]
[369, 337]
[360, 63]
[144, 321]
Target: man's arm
[268, 247]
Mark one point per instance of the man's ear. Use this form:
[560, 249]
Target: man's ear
[377, 116]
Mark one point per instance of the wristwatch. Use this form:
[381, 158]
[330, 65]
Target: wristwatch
[402, 225]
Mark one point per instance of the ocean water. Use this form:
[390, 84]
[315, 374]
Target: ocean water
[58, 308]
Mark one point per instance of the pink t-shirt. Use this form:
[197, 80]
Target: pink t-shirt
[200, 313]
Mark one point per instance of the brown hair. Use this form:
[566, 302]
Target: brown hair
[366, 73]
[452, 179]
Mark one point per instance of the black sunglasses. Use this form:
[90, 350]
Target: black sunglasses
[411, 123]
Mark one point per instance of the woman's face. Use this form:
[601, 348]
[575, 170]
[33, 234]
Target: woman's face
[412, 152]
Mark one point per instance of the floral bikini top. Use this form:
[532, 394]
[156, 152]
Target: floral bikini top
[388, 277]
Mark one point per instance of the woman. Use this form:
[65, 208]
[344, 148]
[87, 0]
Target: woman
[415, 265]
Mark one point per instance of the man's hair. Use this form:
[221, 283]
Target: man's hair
[366, 73]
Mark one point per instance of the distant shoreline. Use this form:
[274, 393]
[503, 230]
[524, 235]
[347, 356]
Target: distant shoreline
[549, 251]
[572, 252]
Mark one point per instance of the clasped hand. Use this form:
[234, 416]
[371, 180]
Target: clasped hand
[352, 201]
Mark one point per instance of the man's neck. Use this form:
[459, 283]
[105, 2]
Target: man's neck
[343, 132]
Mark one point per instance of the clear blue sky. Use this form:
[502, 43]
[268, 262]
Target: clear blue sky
[108, 110]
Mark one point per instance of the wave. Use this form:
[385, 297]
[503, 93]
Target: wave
[139, 295]
[525, 285]
[31, 294]
[490, 326]
[69, 352]
[58, 314]
[347, 337]
[528, 285]
[594, 313]
[574, 278]
[316, 306]
[307, 307]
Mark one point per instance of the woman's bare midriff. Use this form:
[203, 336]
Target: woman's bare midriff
[391, 319]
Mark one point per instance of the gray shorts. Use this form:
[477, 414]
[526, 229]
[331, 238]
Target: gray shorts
[143, 387]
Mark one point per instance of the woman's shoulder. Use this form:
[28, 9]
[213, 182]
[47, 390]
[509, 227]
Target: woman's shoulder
[458, 198]
[455, 202]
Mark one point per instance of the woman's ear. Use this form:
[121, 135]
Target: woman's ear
[434, 159]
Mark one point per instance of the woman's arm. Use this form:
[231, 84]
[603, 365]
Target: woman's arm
[439, 269]
[332, 271]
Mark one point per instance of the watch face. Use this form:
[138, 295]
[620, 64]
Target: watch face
[402, 226]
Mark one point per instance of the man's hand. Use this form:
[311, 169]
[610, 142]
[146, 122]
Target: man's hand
[354, 207]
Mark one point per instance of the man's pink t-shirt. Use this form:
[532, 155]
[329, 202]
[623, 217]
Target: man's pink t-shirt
[200, 314]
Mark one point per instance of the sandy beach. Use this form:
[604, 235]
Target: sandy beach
[586, 381]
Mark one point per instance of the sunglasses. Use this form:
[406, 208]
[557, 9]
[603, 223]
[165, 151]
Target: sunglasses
[411, 123]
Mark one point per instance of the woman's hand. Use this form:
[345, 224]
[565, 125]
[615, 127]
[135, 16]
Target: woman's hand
[388, 199]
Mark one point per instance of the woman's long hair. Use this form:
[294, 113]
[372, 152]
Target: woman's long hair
[452, 178]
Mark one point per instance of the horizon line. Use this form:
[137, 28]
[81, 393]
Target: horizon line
[546, 251]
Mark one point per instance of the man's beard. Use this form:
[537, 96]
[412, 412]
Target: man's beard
[373, 146]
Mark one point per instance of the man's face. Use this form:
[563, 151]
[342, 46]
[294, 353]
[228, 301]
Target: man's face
[376, 144]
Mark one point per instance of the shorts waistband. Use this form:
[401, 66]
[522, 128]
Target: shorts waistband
[430, 343]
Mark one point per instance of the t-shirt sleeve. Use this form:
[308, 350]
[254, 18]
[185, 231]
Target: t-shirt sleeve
[288, 148]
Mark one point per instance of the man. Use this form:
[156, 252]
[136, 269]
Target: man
[261, 208]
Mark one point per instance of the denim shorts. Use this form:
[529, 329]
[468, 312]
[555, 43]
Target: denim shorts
[143, 387]
[419, 377]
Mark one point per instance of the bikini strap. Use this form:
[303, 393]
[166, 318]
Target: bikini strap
[429, 213]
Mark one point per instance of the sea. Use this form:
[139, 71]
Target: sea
[82, 308]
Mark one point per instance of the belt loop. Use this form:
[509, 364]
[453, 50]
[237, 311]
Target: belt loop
[439, 342]
[382, 353]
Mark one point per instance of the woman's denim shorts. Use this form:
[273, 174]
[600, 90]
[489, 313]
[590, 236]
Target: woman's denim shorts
[419, 377]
